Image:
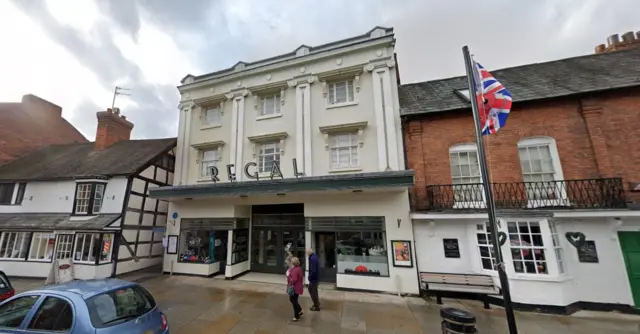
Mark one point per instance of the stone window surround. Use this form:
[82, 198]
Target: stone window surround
[207, 146]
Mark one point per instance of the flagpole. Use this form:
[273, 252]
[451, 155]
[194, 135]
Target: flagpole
[486, 186]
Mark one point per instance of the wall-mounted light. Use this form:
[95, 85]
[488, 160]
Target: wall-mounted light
[188, 199]
[280, 195]
[244, 196]
[357, 191]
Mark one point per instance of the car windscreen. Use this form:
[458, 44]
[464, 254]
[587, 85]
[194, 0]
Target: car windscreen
[118, 306]
[4, 282]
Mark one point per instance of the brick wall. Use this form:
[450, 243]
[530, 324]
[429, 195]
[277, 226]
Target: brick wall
[596, 137]
[112, 128]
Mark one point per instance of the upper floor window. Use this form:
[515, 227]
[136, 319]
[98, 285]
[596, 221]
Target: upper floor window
[268, 154]
[465, 173]
[540, 168]
[341, 92]
[7, 190]
[89, 197]
[344, 150]
[212, 116]
[210, 158]
[270, 105]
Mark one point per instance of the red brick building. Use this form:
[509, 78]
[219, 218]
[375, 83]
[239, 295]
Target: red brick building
[31, 124]
[566, 161]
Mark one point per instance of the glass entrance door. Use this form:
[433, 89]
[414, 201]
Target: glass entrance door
[269, 248]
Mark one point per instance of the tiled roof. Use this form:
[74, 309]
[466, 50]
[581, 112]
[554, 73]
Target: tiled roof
[22, 132]
[564, 77]
[78, 160]
[53, 221]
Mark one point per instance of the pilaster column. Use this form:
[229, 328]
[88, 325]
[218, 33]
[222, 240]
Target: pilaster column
[237, 98]
[592, 115]
[303, 122]
[388, 153]
[184, 140]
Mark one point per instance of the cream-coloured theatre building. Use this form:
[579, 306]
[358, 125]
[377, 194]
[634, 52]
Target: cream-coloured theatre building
[299, 150]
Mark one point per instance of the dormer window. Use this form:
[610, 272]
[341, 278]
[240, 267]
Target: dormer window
[89, 197]
[341, 92]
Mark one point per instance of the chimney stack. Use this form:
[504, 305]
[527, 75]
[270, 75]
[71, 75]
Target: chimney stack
[615, 43]
[112, 128]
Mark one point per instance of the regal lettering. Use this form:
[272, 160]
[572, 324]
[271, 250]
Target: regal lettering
[250, 171]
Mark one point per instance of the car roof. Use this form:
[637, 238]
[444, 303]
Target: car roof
[87, 288]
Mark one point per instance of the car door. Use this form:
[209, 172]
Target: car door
[15, 312]
[53, 314]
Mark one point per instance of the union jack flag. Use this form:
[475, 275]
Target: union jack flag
[494, 101]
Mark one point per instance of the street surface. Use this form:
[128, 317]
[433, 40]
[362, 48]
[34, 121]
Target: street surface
[196, 305]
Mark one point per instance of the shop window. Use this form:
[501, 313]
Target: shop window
[240, 248]
[485, 246]
[64, 247]
[557, 248]
[344, 150]
[14, 245]
[42, 246]
[89, 198]
[90, 246]
[527, 247]
[362, 253]
[196, 246]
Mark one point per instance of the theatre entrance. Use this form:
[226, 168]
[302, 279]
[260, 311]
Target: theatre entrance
[276, 231]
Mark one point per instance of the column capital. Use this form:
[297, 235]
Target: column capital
[307, 79]
[187, 104]
[379, 64]
[241, 92]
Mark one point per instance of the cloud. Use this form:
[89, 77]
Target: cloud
[149, 45]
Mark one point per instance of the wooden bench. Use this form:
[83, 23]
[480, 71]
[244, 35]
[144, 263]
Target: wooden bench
[466, 283]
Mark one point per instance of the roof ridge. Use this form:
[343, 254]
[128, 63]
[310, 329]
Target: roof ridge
[493, 71]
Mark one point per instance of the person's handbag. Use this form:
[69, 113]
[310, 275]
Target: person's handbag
[290, 290]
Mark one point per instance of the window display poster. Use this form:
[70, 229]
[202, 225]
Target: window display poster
[172, 244]
[402, 253]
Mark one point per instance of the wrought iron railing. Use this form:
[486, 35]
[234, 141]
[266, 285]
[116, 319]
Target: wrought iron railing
[567, 194]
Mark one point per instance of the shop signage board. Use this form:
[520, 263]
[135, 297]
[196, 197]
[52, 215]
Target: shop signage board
[451, 248]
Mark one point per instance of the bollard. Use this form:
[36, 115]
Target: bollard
[457, 321]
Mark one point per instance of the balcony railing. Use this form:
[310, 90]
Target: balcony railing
[557, 195]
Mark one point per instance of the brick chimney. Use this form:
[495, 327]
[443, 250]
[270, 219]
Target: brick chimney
[615, 43]
[112, 128]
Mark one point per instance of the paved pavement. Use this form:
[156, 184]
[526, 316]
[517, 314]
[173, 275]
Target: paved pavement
[199, 305]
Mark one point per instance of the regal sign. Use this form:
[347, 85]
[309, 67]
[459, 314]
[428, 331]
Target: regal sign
[251, 171]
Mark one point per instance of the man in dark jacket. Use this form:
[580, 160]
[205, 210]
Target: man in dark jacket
[314, 275]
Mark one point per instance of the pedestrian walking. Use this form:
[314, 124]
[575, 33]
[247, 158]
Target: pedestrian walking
[314, 276]
[295, 281]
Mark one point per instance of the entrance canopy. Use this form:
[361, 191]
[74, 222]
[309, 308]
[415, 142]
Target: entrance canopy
[390, 179]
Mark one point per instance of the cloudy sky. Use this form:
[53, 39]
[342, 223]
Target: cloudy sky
[73, 52]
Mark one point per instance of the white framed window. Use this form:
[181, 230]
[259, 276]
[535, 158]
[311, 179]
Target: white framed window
[541, 167]
[340, 92]
[527, 247]
[64, 246]
[557, 247]
[106, 248]
[14, 245]
[488, 257]
[268, 154]
[86, 248]
[209, 158]
[270, 105]
[89, 198]
[343, 148]
[465, 174]
[211, 116]
[42, 245]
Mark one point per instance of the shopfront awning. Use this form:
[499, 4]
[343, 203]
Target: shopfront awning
[390, 179]
[53, 221]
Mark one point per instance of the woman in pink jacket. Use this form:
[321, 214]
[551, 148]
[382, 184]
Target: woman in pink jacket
[295, 281]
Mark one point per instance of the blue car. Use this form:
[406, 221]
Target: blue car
[94, 306]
